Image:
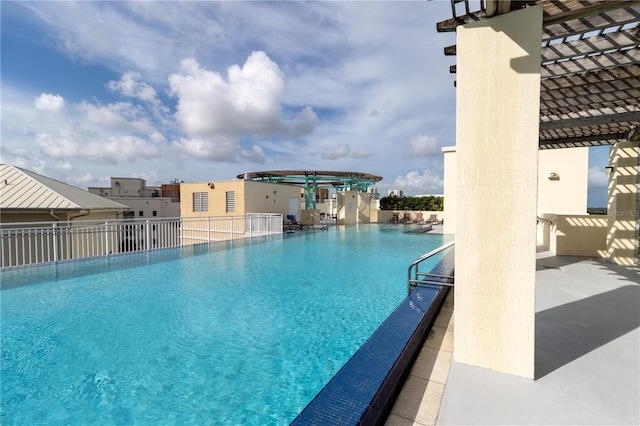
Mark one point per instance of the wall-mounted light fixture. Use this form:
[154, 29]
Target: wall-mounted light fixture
[608, 170]
[212, 185]
[553, 176]
[275, 192]
[267, 197]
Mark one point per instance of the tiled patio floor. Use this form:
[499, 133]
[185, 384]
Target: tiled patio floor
[587, 358]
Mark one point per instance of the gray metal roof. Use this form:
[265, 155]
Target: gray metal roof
[22, 189]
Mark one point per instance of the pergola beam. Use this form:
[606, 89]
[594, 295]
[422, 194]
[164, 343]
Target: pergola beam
[590, 121]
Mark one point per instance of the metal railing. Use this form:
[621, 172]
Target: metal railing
[415, 277]
[45, 242]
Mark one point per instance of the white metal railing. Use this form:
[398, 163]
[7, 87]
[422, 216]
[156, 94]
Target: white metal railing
[44, 242]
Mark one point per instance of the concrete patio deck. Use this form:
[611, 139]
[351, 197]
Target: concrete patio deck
[587, 358]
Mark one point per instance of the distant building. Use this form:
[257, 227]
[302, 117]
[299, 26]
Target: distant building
[144, 201]
[396, 192]
[430, 195]
[373, 191]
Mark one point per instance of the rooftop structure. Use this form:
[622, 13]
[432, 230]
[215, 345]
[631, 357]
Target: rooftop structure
[310, 180]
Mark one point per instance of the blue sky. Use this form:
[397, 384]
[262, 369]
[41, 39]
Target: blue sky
[201, 91]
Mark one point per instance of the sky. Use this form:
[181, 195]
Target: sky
[200, 91]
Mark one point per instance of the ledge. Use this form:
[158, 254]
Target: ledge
[365, 389]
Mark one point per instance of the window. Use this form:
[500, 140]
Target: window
[140, 213]
[200, 202]
[231, 201]
[155, 213]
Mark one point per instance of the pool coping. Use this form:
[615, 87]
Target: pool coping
[364, 390]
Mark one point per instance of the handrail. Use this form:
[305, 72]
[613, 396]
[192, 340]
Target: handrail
[415, 264]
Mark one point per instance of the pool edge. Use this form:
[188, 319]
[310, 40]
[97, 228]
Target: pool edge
[362, 393]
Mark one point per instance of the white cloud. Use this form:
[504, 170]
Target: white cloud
[120, 116]
[247, 102]
[416, 183]
[361, 153]
[255, 155]
[130, 85]
[80, 181]
[215, 150]
[598, 178]
[422, 146]
[71, 143]
[214, 112]
[303, 124]
[150, 176]
[49, 103]
[336, 152]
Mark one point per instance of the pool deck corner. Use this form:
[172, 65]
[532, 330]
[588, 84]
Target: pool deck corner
[587, 358]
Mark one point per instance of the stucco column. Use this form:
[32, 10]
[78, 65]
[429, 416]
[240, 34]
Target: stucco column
[623, 216]
[497, 113]
[450, 189]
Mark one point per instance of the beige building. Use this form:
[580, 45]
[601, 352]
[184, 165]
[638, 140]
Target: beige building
[237, 198]
[144, 201]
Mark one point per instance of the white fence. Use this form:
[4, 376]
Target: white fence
[43, 242]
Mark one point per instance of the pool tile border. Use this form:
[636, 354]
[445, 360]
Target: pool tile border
[366, 387]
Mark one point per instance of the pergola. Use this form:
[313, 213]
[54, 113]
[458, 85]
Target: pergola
[311, 180]
[590, 70]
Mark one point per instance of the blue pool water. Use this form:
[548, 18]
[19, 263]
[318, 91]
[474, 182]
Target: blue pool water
[245, 334]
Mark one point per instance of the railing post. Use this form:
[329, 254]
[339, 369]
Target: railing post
[148, 244]
[55, 242]
[106, 238]
[209, 229]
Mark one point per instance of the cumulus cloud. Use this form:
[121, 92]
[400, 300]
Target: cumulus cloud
[49, 103]
[248, 101]
[598, 178]
[220, 149]
[303, 124]
[422, 146]
[255, 155]
[361, 153]
[214, 111]
[121, 116]
[130, 85]
[73, 144]
[334, 153]
[416, 182]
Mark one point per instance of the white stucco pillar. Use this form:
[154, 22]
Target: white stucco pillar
[450, 189]
[623, 204]
[497, 113]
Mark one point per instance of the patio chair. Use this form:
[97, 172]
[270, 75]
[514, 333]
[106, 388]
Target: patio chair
[419, 218]
[293, 223]
[433, 219]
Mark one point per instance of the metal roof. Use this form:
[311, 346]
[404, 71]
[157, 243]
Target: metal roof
[590, 66]
[26, 190]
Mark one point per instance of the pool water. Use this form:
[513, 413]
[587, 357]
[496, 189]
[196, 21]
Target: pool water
[202, 335]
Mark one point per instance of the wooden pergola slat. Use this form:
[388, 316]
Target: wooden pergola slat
[585, 46]
[590, 121]
[592, 63]
[619, 88]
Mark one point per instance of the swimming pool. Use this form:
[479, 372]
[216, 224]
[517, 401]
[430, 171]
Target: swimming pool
[197, 335]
